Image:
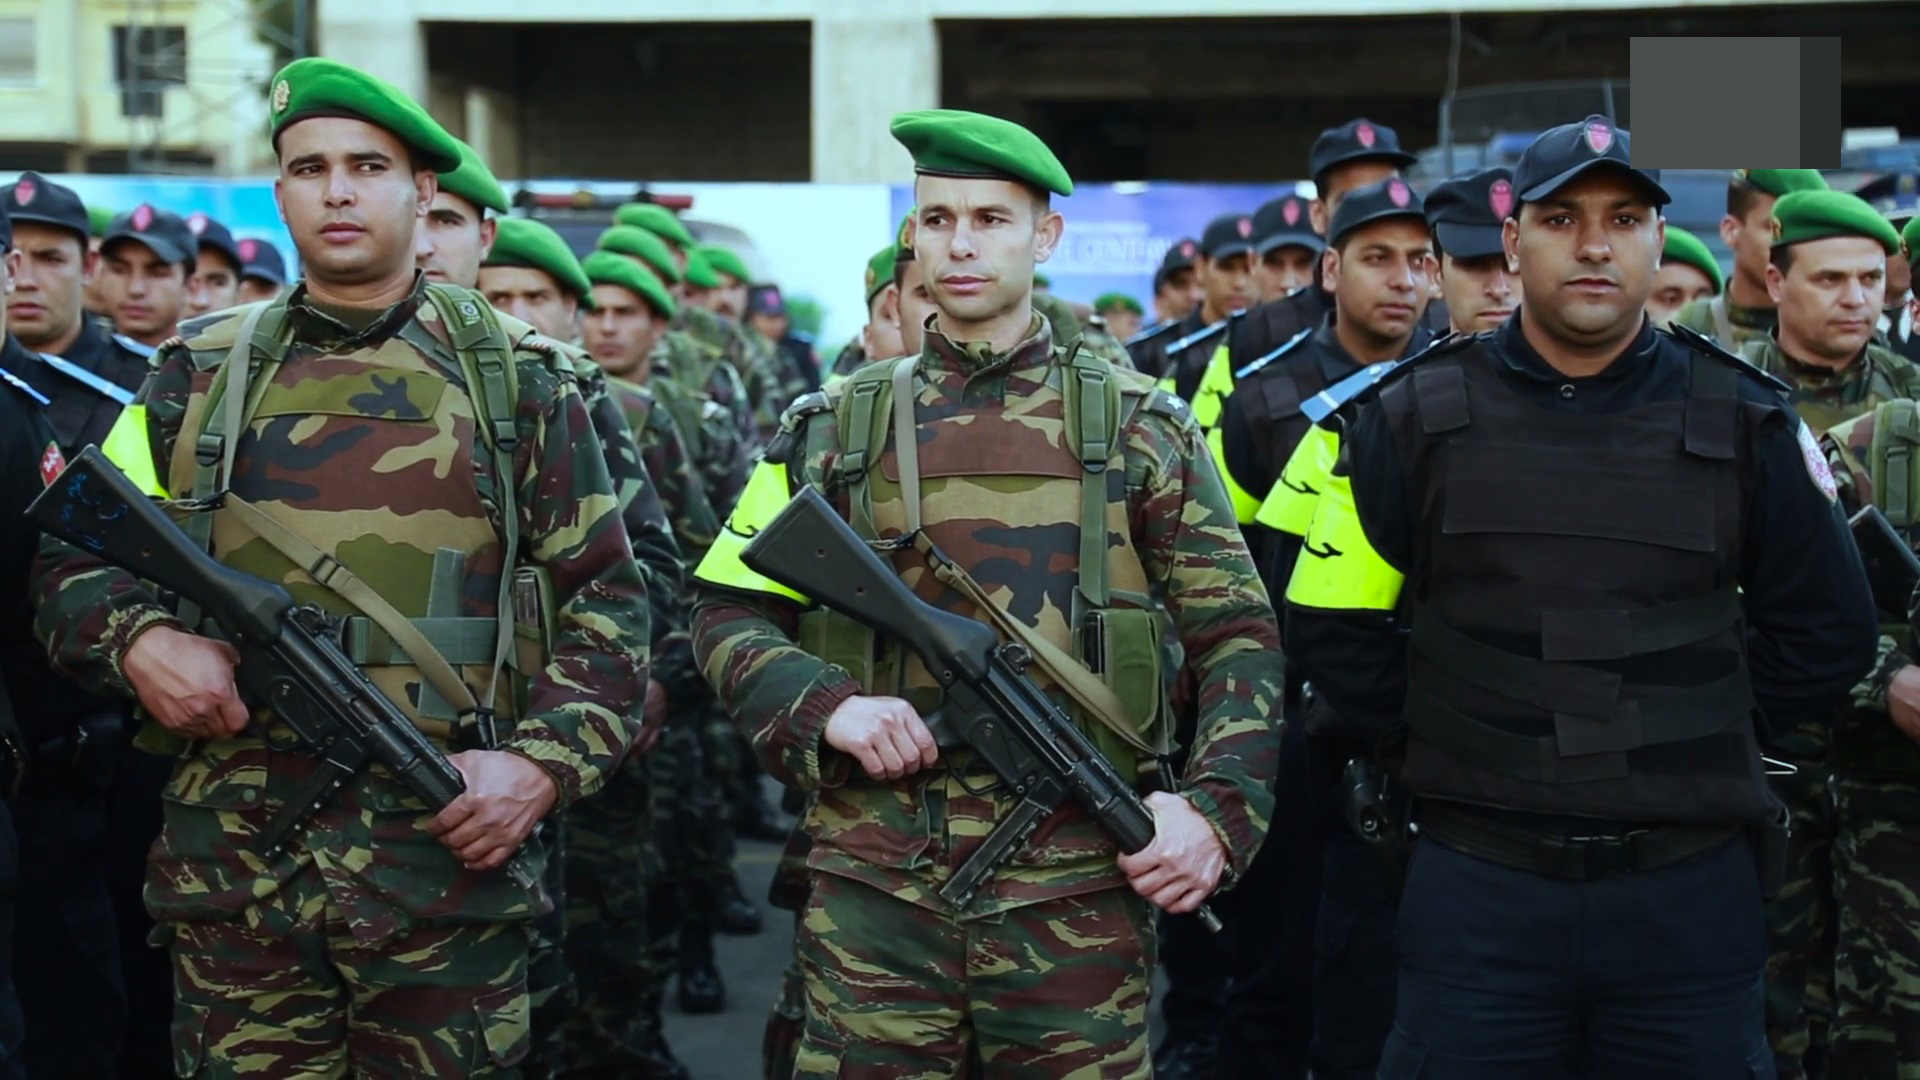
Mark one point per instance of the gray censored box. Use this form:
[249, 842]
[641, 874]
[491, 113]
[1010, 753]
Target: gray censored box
[1736, 102]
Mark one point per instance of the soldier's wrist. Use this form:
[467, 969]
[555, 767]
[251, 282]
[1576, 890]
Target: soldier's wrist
[125, 628]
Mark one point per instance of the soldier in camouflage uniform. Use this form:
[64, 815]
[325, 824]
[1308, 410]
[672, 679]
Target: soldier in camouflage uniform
[731, 302]
[1876, 782]
[1825, 276]
[1047, 974]
[1744, 312]
[382, 941]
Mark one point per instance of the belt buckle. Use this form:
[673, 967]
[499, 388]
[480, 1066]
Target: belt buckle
[1605, 856]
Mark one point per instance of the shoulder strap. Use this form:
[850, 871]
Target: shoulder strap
[1722, 322]
[1442, 395]
[1286, 347]
[862, 416]
[1713, 409]
[1892, 460]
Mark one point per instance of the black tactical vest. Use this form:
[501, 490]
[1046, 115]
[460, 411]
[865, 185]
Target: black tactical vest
[1577, 642]
[1272, 398]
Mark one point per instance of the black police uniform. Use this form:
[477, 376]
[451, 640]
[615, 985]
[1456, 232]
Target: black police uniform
[1607, 580]
[1148, 347]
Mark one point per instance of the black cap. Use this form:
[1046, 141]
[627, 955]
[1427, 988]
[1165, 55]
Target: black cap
[1228, 234]
[1375, 202]
[1355, 140]
[35, 198]
[166, 234]
[1564, 152]
[1180, 256]
[1284, 222]
[260, 259]
[766, 300]
[212, 234]
[1466, 213]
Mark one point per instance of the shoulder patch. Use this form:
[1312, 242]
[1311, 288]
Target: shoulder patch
[1161, 403]
[804, 406]
[1286, 347]
[1701, 343]
[1817, 468]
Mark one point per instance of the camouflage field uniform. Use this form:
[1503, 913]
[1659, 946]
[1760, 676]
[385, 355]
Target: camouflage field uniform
[1801, 920]
[1069, 330]
[702, 369]
[1733, 327]
[789, 382]
[1047, 974]
[366, 945]
[1876, 787]
[755, 369]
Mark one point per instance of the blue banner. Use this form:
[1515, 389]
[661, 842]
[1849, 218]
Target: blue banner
[244, 206]
[1116, 234]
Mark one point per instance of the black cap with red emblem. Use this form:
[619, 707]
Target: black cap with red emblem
[1284, 222]
[35, 198]
[165, 234]
[1227, 235]
[215, 237]
[1355, 140]
[1375, 202]
[1468, 213]
[1563, 153]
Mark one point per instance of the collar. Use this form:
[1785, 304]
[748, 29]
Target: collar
[1755, 318]
[1519, 358]
[16, 361]
[1335, 361]
[1815, 376]
[938, 352]
[315, 327]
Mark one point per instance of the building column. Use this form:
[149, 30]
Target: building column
[871, 59]
[380, 37]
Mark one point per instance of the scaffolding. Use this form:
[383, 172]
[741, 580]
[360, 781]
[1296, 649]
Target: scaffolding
[157, 71]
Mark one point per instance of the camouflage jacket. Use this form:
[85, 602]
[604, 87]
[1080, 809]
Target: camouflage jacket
[908, 836]
[1849, 449]
[755, 369]
[670, 462]
[1824, 397]
[356, 427]
[1733, 327]
[700, 369]
[721, 456]
[852, 356]
[789, 383]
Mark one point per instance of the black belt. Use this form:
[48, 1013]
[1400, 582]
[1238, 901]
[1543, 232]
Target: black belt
[1563, 858]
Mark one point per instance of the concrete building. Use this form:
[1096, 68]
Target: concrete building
[131, 85]
[802, 89]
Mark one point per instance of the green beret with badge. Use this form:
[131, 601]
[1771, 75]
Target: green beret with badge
[315, 86]
[1682, 246]
[880, 270]
[1114, 301]
[534, 244]
[700, 273]
[474, 182]
[969, 145]
[643, 245]
[657, 220]
[1801, 216]
[727, 261]
[1778, 182]
[1910, 240]
[606, 268]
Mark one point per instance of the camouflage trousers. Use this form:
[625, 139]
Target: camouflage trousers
[1055, 990]
[780, 1042]
[691, 862]
[606, 925]
[1876, 870]
[313, 1000]
[1802, 926]
[551, 995]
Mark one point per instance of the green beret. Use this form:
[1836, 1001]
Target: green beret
[1042, 281]
[474, 182]
[607, 268]
[727, 261]
[643, 245]
[880, 270]
[657, 220]
[1778, 182]
[1800, 216]
[1106, 302]
[1910, 240]
[98, 218]
[534, 244]
[700, 273]
[317, 86]
[949, 142]
[1683, 246]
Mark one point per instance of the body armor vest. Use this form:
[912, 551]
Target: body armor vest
[1577, 637]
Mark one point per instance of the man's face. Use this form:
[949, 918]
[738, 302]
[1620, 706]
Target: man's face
[146, 295]
[1122, 322]
[215, 284]
[532, 296]
[1830, 297]
[1179, 294]
[44, 307]
[881, 336]
[1478, 292]
[1283, 270]
[1340, 180]
[1899, 280]
[1750, 237]
[9, 265]
[729, 301]
[1380, 279]
[252, 289]
[620, 331]
[1226, 283]
[454, 237]
[351, 200]
[772, 327]
[1675, 285]
[916, 306]
[1586, 258]
[977, 241]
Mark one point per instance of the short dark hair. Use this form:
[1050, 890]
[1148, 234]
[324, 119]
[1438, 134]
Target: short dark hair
[1741, 197]
[1781, 257]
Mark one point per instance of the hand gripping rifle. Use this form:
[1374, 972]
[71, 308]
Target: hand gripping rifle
[290, 655]
[992, 705]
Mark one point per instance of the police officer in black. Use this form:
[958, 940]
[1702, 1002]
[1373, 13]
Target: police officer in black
[1174, 302]
[1563, 571]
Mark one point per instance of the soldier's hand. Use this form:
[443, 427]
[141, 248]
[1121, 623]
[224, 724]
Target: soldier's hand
[185, 681]
[506, 797]
[1182, 867]
[884, 735]
[653, 717]
[1903, 701]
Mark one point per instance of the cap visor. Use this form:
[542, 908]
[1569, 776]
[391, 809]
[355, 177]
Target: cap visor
[1408, 212]
[81, 227]
[255, 273]
[1400, 159]
[1310, 241]
[1552, 184]
[166, 251]
[1469, 241]
[1227, 251]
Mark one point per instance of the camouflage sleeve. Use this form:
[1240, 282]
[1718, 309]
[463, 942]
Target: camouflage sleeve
[669, 461]
[87, 611]
[641, 510]
[727, 388]
[781, 695]
[583, 710]
[728, 461]
[1190, 545]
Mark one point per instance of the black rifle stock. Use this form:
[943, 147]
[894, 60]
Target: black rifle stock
[1893, 571]
[290, 657]
[991, 704]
